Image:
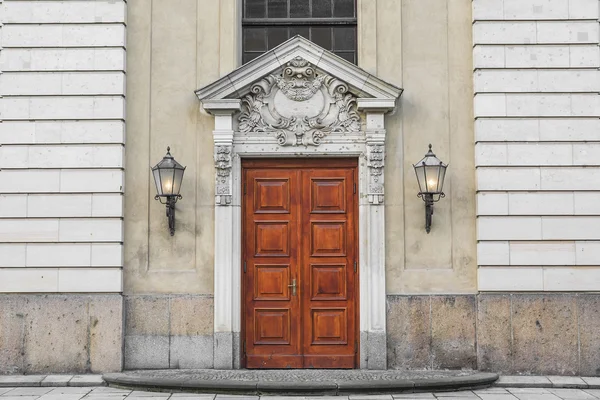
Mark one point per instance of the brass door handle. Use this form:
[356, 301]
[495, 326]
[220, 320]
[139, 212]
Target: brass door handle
[293, 286]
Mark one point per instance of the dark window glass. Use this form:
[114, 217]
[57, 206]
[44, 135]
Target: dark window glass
[255, 8]
[321, 36]
[299, 8]
[300, 30]
[321, 8]
[343, 8]
[344, 38]
[329, 23]
[277, 9]
[255, 39]
[276, 36]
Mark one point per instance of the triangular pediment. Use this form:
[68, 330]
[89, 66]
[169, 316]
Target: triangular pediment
[237, 84]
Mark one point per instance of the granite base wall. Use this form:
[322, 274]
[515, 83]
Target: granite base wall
[168, 331]
[538, 333]
[60, 333]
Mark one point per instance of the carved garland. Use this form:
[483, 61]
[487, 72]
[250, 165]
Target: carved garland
[298, 106]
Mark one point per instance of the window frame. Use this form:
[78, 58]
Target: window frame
[332, 22]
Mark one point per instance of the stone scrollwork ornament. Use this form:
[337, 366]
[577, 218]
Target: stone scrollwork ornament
[223, 174]
[375, 162]
[299, 106]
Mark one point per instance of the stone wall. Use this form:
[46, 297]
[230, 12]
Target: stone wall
[60, 333]
[537, 109]
[168, 331]
[537, 333]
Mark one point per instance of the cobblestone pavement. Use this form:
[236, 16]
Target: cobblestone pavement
[107, 393]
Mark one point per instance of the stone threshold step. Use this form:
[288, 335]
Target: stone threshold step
[87, 380]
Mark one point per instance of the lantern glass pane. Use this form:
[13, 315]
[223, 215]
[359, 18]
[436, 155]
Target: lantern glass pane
[156, 173]
[432, 178]
[166, 179]
[441, 179]
[177, 181]
[420, 171]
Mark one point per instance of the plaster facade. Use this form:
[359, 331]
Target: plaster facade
[507, 91]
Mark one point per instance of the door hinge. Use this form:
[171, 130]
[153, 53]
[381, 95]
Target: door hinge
[245, 266]
[245, 187]
[354, 188]
[355, 266]
[355, 347]
[244, 347]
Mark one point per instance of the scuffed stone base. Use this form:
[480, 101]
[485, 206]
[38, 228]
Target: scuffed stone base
[534, 333]
[60, 333]
[168, 331]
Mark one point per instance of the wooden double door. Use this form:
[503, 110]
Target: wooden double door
[300, 272]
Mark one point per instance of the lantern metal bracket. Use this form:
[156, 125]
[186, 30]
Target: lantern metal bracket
[170, 203]
[429, 199]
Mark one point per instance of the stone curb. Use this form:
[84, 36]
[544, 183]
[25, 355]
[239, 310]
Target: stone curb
[51, 380]
[563, 382]
[477, 380]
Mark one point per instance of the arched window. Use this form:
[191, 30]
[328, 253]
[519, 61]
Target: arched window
[329, 23]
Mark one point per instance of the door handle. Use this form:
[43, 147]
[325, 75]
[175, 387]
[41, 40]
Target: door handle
[293, 286]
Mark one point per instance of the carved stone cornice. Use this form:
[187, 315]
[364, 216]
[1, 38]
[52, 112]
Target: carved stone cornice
[376, 162]
[223, 187]
[299, 106]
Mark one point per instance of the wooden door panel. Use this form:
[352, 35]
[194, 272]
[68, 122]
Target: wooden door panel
[329, 279]
[271, 231]
[272, 239]
[328, 282]
[299, 226]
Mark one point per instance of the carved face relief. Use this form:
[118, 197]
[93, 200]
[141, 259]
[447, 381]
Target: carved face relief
[298, 106]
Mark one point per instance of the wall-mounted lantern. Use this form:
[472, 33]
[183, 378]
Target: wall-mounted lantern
[431, 172]
[168, 175]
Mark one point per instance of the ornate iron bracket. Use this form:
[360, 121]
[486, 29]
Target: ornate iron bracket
[170, 203]
[429, 199]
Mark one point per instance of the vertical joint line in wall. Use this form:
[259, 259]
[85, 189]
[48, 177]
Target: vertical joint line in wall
[150, 183]
[476, 301]
[88, 361]
[169, 329]
[577, 302]
[512, 335]
[430, 333]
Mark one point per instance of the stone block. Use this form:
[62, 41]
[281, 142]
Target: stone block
[107, 255]
[494, 352]
[588, 309]
[453, 332]
[13, 255]
[29, 181]
[509, 228]
[493, 253]
[508, 178]
[12, 331]
[90, 280]
[492, 203]
[545, 334]
[191, 352]
[191, 316]
[87, 381]
[556, 32]
[510, 279]
[107, 205]
[568, 178]
[106, 333]
[70, 35]
[56, 380]
[408, 332]
[28, 280]
[146, 352]
[28, 230]
[571, 279]
[540, 203]
[58, 254]
[544, 253]
[567, 228]
[109, 181]
[57, 334]
[91, 230]
[493, 32]
[147, 315]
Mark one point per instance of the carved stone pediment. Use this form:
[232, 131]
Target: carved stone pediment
[299, 106]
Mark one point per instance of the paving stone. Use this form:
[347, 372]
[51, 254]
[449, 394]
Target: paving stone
[593, 382]
[537, 396]
[567, 382]
[190, 396]
[593, 392]
[497, 396]
[523, 381]
[87, 380]
[461, 393]
[575, 394]
[63, 397]
[414, 396]
[30, 391]
[533, 390]
[56, 380]
[491, 390]
[367, 397]
[71, 390]
[19, 397]
[6, 389]
[21, 380]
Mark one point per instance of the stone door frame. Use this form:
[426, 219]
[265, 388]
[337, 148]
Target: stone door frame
[223, 99]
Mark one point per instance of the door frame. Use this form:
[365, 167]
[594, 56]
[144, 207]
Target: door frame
[296, 163]
[230, 147]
